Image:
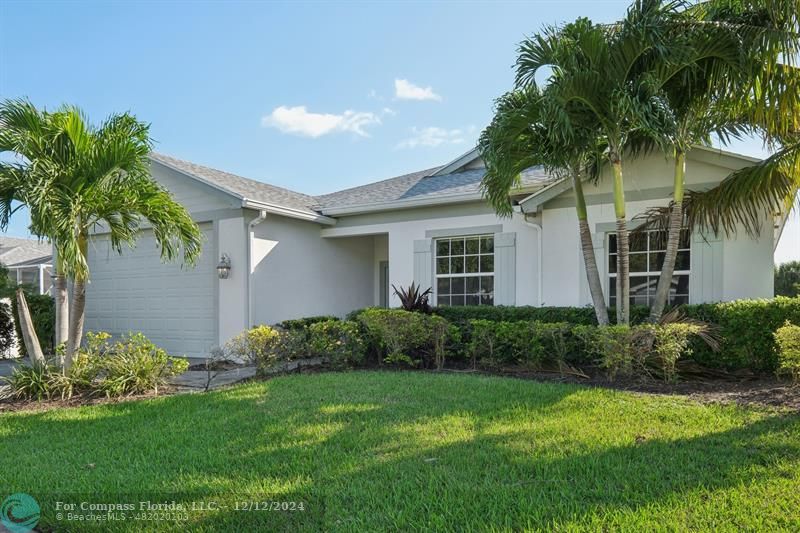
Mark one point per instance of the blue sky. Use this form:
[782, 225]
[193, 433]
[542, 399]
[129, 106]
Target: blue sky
[314, 96]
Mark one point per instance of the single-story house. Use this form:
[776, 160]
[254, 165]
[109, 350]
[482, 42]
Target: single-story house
[291, 254]
[29, 261]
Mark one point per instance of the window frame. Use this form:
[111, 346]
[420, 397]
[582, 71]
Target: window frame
[437, 276]
[611, 277]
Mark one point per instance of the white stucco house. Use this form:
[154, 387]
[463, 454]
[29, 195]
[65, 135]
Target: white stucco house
[294, 255]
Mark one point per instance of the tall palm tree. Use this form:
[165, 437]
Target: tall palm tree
[75, 178]
[752, 87]
[516, 140]
[597, 83]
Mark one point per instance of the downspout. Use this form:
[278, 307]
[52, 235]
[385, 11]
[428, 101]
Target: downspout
[539, 274]
[262, 215]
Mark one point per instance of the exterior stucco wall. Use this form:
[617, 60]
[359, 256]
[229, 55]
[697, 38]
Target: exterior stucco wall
[729, 267]
[403, 227]
[300, 274]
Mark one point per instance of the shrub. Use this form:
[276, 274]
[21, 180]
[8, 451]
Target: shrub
[619, 349]
[340, 341]
[132, 365]
[787, 338]
[7, 335]
[256, 345]
[33, 382]
[522, 342]
[302, 323]
[407, 337]
[135, 365]
[572, 315]
[670, 343]
[43, 315]
[746, 328]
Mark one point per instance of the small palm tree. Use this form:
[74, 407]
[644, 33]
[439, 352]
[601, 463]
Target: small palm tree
[75, 178]
[518, 139]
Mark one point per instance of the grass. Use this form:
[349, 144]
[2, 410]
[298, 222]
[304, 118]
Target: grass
[376, 451]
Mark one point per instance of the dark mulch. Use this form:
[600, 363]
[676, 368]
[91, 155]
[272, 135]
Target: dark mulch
[78, 400]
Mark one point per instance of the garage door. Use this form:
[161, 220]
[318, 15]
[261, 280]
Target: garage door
[173, 305]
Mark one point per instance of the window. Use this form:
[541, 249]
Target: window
[465, 270]
[647, 249]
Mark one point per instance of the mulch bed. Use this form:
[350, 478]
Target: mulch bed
[749, 391]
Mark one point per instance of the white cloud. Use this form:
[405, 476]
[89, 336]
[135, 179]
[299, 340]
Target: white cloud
[389, 111]
[405, 90]
[432, 137]
[298, 120]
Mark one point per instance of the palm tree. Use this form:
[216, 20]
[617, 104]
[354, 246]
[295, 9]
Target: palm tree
[516, 140]
[747, 89]
[597, 82]
[75, 178]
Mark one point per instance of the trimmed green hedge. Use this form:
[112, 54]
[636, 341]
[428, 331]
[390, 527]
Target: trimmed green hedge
[573, 315]
[747, 328]
[302, 323]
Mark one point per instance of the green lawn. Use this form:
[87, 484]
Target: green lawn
[376, 451]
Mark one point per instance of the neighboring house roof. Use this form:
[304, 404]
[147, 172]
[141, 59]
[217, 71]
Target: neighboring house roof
[24, 252]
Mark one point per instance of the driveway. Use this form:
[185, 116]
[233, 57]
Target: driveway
[7, 365]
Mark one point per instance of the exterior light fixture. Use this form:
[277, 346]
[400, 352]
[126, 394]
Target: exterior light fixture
[224, 267]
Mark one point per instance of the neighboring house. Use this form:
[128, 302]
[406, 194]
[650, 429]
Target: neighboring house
[28, 261]
[294, 255]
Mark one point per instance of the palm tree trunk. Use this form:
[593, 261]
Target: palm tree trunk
[62, 306]
[77, 314]
[623, 246]
[589, 259]
[29, 337]
[673, 239]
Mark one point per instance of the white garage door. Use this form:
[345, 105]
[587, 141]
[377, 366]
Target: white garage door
[173, 305]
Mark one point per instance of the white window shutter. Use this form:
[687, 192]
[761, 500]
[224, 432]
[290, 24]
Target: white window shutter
[423, 263]
[505, 268]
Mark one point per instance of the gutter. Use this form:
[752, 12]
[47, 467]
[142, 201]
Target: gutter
[262, 216]
[287, 212]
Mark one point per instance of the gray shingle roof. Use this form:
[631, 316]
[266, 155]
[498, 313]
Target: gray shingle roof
[15, 251]
[242, 187]
[421, 185]
[414, 186]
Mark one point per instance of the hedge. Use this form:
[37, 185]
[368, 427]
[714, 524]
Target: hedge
[747, 328]
[6, 329]
[574, 315]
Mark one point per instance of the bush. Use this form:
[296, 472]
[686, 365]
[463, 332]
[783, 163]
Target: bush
[746, 328]
[524, 343]
[134, 365]
[619, 349]
[340, 341]
[572, 315]
[671, 342]
[787, 338]
[7, 335]
[407, 337]
[43, 314]
[303, 323]
[257, 345]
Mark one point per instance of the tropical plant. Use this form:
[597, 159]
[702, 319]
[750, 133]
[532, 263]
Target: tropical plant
[413, 298]
[75, 177]
[740, 80]
[787, 279]
[518, 139]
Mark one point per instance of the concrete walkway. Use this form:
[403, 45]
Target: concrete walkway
[7, 366]
[198, 380]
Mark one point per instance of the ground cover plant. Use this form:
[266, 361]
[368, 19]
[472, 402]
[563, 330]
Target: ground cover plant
[410, 451]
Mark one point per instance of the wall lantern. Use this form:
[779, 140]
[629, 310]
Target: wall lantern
[224, 267]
